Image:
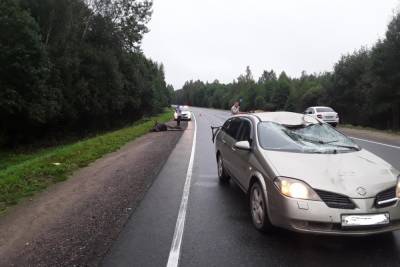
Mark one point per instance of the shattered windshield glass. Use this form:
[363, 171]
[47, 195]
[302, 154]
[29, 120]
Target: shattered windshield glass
[308, 138]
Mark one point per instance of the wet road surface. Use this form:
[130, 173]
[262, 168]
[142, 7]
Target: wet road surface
[218, 229]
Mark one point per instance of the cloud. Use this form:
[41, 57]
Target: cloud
[217, 39]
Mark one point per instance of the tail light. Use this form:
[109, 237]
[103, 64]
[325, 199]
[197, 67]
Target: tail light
[319, 116]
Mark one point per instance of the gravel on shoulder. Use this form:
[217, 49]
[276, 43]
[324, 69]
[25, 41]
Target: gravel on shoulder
[73, 223]
[376, 136]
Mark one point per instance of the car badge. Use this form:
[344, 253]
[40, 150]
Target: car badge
[361, 191]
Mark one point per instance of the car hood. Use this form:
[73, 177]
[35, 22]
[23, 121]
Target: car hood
[341, 173]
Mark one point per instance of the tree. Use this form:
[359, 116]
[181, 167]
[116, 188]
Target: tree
[311, 97]
[364, 86]
[74, 66]
[386, 68]
[129, 16]
[260, 102]
[267, 76]
[25, 98]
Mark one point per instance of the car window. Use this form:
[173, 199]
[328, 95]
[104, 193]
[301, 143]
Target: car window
[309, 111]
[226, 125]
[245, 131]
[311, 138]
[233, 127]
[324, 109]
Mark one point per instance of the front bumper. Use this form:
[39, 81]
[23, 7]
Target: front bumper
[186, 117]
[331, 121]
[316, 217]
[183, 117]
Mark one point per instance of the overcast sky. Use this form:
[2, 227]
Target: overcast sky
[217, 39]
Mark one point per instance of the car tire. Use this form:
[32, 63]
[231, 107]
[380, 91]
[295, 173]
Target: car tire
[222, 175]
[334, 124]
[258, 208]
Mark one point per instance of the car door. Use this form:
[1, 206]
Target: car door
[228, 140]
[240, 158]
[220, 138]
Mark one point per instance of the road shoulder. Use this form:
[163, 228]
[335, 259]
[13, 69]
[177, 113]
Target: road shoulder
[371, 135]
[147, 236]
[76, 221]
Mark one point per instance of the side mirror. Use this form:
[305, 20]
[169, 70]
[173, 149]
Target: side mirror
[243, 145]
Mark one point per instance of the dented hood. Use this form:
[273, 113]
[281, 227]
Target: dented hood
[341, 173]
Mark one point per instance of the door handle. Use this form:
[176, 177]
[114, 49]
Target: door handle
[223, 141]
[233, 148]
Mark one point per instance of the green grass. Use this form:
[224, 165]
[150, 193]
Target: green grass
[22, 175]
[369, 129]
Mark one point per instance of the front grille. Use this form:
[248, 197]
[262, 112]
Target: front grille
[336, 201]
[386, 195]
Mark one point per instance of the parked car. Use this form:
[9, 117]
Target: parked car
[326, 114]
[186, 114]
[303, 175]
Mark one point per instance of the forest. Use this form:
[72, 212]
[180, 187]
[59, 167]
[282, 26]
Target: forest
[364, 87]
[72, 67]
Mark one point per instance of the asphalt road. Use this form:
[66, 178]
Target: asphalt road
[218, 229]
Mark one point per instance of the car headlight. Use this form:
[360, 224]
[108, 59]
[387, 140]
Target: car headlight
[398, 187]
[296, 188]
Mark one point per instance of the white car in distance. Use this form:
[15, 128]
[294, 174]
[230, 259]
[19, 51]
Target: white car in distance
[186, 114]
[326, 114]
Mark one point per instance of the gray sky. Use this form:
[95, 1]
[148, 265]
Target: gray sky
[217, 39]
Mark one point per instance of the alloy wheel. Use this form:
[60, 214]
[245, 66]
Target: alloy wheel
[220, 167]
[257, 206]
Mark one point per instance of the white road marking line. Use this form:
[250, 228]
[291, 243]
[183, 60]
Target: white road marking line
[174, 253]
[382, 144]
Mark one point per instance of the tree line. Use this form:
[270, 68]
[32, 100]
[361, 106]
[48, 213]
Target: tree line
[74, 66]
[364, 87]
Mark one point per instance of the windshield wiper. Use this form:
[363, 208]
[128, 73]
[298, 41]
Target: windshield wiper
[356, 148]
[317, 141]
[328, 142]
[333, 141]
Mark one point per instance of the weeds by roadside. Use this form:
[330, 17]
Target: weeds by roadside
[369, 129]
[24, 175]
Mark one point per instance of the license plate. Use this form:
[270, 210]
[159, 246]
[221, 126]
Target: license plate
[365, 220]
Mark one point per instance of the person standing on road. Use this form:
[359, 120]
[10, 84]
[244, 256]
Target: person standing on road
[178, 111]
[235, 109]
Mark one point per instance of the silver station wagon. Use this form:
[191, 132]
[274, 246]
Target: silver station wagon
[302, 174]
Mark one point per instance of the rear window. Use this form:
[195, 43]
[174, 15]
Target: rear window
[324, 110]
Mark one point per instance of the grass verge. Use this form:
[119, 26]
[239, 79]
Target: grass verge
[350, 126]
[23, 175]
